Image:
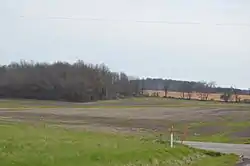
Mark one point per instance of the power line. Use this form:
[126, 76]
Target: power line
[136, 21]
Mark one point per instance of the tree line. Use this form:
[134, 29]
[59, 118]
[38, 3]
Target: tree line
[63, 81]
[186, 89]
[82, 82]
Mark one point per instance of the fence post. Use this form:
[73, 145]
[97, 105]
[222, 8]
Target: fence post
[172, 137]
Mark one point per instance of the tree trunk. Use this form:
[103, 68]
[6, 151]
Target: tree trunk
[166, 93]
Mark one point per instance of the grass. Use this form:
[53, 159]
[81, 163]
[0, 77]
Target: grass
[219, 161]
[23, 104]
[168, 102]
[124, 103]
[225, 136]
[40, 145]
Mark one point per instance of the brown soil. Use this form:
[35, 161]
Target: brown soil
[209, 130]
[245, 133]
[159, 119]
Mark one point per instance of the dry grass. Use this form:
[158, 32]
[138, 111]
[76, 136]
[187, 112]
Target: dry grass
[212, 96]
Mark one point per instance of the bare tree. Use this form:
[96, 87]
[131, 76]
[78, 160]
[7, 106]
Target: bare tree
[226, 96]
[186, 88]
[166, 87]
[189, 90]
[135, 87]
[142, 86]
[204, 89]
[201, 90]
[236, 92]
[209, 87]
[182, 90]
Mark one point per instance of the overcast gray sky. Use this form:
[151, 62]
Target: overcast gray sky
[113, 32]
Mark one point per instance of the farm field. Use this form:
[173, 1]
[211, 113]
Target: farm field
[130, 129]
[199, 120]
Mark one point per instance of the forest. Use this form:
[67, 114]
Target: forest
[83, 82]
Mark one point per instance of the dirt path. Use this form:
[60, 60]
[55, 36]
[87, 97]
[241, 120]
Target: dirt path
[238, 149]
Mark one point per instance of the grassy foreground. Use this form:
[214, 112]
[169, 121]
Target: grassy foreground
[23, 145]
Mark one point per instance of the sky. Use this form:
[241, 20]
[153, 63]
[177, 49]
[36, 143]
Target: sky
[174, 39]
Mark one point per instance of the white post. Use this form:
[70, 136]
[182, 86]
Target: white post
[172, 138]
